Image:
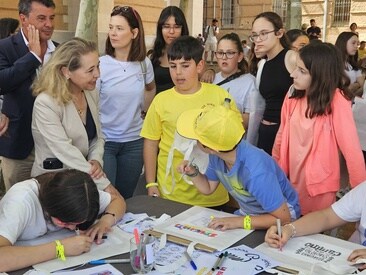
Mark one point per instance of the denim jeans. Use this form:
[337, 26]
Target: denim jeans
[123, 163]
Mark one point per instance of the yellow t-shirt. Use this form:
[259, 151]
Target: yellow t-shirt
[160, 124]
[361, 53]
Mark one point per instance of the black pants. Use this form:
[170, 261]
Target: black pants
[266, 137]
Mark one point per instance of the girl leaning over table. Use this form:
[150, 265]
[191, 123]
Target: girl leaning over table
[66, 199]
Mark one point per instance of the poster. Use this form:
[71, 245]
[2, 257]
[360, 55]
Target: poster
[117, 243]
[320, 254]
[192, 225]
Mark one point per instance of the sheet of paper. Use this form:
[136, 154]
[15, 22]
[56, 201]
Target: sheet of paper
[319, 252]
[239, 258]
[142, 222]
[192, 225]
[117, 243]
[105, 269]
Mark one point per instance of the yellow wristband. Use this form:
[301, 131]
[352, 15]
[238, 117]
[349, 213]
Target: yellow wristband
[247, 222]
[60, 251]
[151, 184]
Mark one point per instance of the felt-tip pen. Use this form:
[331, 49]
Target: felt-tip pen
[111, 261]
[191, 261]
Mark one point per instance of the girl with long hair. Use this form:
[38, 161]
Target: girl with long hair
[317, 123]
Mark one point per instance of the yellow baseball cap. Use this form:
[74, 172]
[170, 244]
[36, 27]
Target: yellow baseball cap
[217, 127]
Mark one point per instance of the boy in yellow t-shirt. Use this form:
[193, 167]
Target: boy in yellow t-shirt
[185, 65]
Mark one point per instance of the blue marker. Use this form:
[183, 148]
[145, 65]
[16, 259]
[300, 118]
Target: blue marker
[191, 261]
[111, 261]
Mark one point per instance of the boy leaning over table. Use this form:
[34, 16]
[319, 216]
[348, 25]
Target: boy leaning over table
[249, 174]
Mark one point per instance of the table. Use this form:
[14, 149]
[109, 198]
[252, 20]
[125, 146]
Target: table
[154, 206]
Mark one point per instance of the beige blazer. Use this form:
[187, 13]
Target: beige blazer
[58, 132]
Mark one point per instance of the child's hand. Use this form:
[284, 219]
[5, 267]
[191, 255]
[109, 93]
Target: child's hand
[272, 238]
[226, 223]
[153, 191]
[185, 168]
[102, 227]
[358, 254]
[77, 245]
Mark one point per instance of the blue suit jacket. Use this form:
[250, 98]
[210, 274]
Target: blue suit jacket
[17, 71]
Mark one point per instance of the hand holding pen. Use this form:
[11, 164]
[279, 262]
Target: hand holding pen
[273, 238]
[187, 168]
[279, 232]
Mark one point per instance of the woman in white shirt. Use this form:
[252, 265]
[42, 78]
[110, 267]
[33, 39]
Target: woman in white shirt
[127, 88]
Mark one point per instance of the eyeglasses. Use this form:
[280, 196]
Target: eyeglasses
[228, 55]
[262, 35]
[175, 28]
[124, 9]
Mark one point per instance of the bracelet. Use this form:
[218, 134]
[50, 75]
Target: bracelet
[60, 251]
[109, 213]
[293, 228]
[151, 184]
[247, 222]
[195, 174]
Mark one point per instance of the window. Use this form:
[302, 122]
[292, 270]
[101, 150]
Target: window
[227, 13]
[280, 7]
[341, 12]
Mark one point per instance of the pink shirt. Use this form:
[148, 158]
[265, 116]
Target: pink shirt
[308, 149]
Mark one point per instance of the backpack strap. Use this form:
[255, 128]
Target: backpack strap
[143, 70]
[228, 79]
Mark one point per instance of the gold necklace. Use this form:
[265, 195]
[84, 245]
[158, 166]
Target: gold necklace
[79, 108]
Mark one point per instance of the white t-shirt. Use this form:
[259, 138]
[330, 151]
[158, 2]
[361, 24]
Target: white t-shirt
[122, 86]
[352, 208]
[211, 37]
[21, 214]
[247, 99]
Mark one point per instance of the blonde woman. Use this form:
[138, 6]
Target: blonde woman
[65, 123]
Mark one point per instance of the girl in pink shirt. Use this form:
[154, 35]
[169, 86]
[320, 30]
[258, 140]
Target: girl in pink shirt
[317, 122]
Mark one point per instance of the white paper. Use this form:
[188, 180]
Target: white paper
[323, 253]
[142, 222]
[105, 269]
[240, 258]
[192, 225]
[117, 243]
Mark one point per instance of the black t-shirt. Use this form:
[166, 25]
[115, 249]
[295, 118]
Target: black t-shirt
[162, 79]
[274, 84]
[90, 128]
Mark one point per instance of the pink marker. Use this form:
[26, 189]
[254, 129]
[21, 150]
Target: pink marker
[138, 252]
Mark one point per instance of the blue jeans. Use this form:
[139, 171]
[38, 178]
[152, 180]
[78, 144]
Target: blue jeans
[123, 163]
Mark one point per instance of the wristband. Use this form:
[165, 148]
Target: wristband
[293, 228]
[151, 184]
[60, 251]
[195, 173]
[247, 222]
[109, 213]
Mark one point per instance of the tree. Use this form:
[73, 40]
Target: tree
[87, 26]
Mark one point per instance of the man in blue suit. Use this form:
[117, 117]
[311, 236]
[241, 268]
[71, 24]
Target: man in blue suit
[21, 56]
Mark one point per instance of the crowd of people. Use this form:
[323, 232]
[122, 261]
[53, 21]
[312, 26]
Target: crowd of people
[77, 129]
